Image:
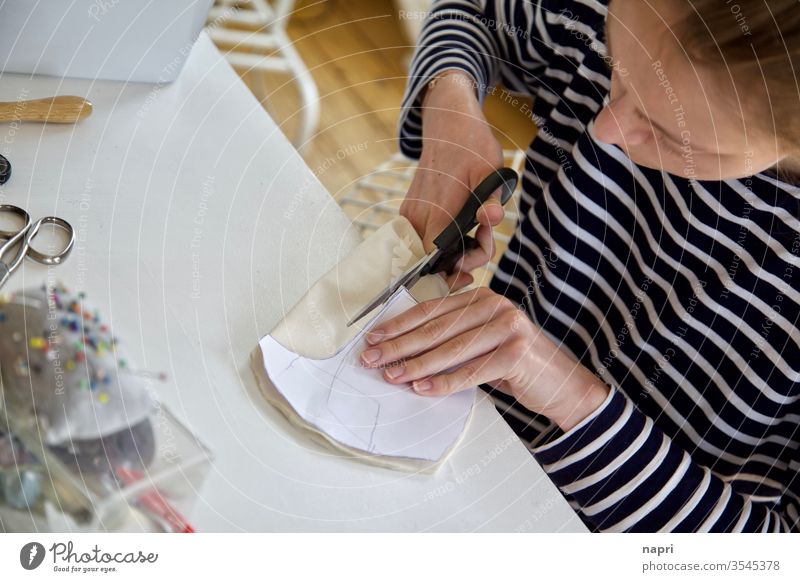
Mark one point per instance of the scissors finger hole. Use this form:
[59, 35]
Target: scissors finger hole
[52, 241]
[12, 220]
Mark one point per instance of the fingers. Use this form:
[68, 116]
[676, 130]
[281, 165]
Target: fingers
[434, 332]
[481, 370]
[421, 313]
[494, 367]
[491, 213]
[454, 352]
[459, 280]
[434, 198]
[417, 212]
[480, 256]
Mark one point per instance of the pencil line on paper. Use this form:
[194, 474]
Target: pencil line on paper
[337, 379]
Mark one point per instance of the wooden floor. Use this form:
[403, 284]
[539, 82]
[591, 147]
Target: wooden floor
[358, 54]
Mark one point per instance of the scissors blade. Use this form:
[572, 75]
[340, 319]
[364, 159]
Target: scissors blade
[407, 280]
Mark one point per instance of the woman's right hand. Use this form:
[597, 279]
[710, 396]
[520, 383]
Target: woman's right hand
[458, 152]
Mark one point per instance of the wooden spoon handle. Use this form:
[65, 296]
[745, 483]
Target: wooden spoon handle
[61, 109]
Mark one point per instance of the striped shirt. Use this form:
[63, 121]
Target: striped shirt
[682, 295]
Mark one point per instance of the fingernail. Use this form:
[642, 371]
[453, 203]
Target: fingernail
[375, 336]
[370, 356]
[394, 372]
[422, 386]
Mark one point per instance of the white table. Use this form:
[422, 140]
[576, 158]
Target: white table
[198, 226]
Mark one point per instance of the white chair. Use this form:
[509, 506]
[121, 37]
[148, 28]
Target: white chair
[375, 199]
[255, 31]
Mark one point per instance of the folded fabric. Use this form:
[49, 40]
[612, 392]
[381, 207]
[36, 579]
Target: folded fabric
[317, 326]
[316, 329]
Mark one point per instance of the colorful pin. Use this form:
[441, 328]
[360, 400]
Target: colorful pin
[37, 343]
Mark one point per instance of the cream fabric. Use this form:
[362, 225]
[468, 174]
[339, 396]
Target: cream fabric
[317, 326]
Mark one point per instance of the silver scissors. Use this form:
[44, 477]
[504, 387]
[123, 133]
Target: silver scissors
[24, 236]
[453, 241]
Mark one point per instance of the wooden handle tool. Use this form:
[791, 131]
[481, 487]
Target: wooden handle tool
[61, 109]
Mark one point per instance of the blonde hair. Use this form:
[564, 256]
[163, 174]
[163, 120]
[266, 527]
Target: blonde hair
[758, 42]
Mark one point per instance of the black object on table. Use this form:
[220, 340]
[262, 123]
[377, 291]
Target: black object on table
[5, 169]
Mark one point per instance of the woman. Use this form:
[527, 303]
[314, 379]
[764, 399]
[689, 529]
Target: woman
[643, 324]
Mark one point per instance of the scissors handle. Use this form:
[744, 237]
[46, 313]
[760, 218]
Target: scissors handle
[13, 238]
[47, 258]
[453, 241]
[23, 216]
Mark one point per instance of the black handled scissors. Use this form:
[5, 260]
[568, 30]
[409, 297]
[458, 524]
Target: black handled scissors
[453, 242]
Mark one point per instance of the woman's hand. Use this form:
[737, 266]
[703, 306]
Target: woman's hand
[446, 345]
[458, 152]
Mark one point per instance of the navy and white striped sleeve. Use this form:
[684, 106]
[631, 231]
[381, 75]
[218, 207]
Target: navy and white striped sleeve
[627, 475]
[477, 37]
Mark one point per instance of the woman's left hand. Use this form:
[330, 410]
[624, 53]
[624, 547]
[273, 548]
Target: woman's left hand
[450, 344]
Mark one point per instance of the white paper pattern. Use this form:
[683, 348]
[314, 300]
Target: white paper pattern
[357, 407]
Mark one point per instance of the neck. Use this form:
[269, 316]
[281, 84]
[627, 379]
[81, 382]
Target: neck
[788, 170]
